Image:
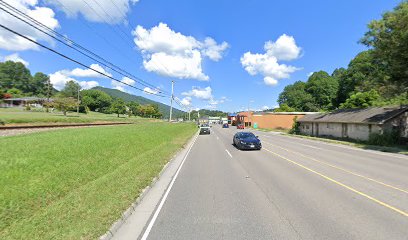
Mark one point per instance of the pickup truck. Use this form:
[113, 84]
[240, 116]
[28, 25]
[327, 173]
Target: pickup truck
[205, 129]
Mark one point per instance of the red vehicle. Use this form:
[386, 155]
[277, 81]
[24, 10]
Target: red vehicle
[240, 126]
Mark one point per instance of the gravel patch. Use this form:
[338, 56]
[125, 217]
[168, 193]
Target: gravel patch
[14, 132]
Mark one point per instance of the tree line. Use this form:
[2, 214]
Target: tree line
[99, 101]
[16, 81]
[375, 77]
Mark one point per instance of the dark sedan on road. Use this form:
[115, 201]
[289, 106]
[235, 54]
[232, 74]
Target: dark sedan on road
[246, 140]
[225, 125]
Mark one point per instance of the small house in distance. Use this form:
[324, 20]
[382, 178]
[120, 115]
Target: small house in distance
[24, 101]
[356, 123]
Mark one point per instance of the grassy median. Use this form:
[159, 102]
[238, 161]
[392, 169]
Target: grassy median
[74, 183]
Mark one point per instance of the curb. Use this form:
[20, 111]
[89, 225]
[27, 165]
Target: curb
[129, 211]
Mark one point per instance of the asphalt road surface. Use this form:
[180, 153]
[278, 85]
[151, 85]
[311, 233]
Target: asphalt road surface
[292, 189]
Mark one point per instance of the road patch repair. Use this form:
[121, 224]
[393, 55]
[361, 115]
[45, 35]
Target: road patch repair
[134, 221]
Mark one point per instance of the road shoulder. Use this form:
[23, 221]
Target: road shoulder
[133, 221]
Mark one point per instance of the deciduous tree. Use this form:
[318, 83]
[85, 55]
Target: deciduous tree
[118, 106]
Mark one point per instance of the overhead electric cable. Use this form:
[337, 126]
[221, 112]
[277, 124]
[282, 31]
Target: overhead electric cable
[71, 59]
[121, 12]
[93, 10]
[68, 42]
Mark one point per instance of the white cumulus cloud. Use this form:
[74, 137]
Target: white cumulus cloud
[200, 93]
[284, 48]
[267, 64]
[121, 86]
[150, 90]
[104, 11]
[117, 85]
[59, 79]
[179, 66]
[212, 50]
[10, 41]
[186, 101]
[128, 81]
[15, 57]
[173, 54]
[88, 84]
[79, 72]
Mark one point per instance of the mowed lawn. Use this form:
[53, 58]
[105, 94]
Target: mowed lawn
[74, 183]
[19, 116]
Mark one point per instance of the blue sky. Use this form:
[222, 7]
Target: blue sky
[215, 50]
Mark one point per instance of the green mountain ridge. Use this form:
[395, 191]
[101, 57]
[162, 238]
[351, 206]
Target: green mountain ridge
[164, 109]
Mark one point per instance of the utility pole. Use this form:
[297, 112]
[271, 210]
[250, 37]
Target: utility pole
[79, 88]
[48, 94]
[171, 101]
[189, 112]
[249, 115]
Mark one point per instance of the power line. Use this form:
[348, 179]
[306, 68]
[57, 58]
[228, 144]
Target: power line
[68, 42]
[96, 32]
[71, 42]
[121, 12]
[71, 59]
[107, 14]
[93, 10]
[112, 19]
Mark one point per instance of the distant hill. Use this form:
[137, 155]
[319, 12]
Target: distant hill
[164, 109]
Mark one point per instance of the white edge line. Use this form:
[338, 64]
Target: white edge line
[388, 154]
[309, 146]
[156, 213]
[228, 153]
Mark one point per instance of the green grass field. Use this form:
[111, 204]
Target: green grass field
[19, 116]
[74, 183]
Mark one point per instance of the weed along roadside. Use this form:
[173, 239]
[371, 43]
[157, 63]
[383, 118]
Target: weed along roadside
[74, 183]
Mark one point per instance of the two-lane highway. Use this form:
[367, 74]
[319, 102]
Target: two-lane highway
[291, 189]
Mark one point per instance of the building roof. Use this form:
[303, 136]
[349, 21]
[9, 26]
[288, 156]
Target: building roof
[284, 113]
[25, 99]
[374, 115]
[244, 114]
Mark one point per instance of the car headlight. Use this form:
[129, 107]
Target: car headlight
[243, 142]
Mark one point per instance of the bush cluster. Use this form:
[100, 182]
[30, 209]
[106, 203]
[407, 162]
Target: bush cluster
[388, 138]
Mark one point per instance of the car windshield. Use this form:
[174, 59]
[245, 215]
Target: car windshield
[246, 135]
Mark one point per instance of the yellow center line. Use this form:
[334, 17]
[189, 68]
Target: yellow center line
[341, 184]
[339, 168]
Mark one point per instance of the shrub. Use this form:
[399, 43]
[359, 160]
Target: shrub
[388, 138]
[2, 122]
[295, 127]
